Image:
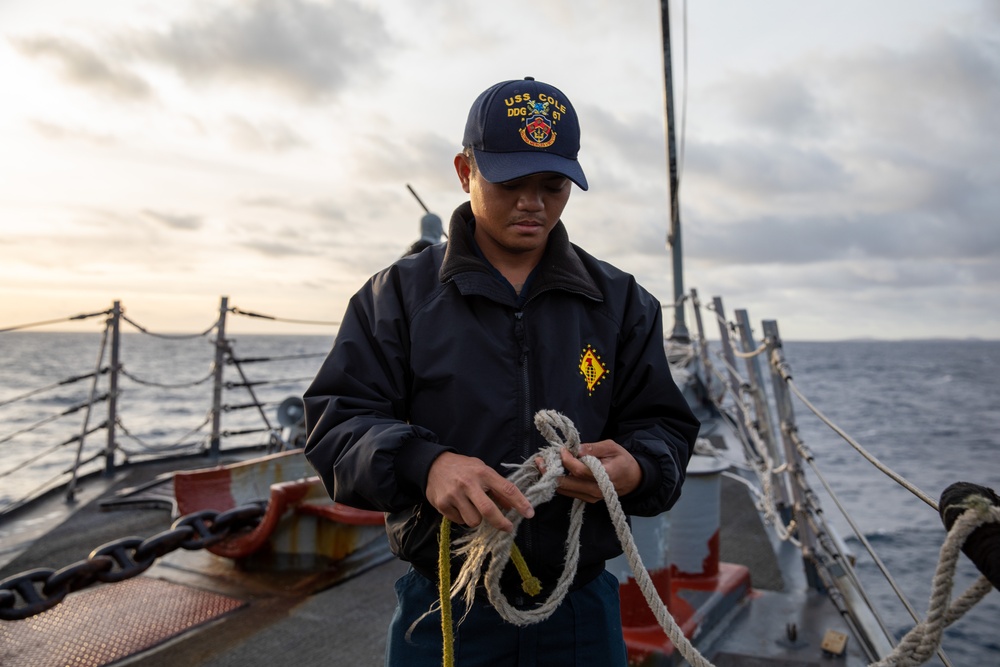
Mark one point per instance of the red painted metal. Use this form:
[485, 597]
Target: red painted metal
[293, 501]
[711, 595]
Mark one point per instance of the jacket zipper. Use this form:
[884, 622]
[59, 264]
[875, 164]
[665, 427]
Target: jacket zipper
[526, 423]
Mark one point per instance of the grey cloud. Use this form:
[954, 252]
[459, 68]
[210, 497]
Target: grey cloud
[426, 156]
[763, 170]
[59, 132]
[328, 210]
[815, 239]
[610, 141]
[896, 161]
[776, 105]
[278, 249]
[264, 136]
[82, 66]
[308, 49]
[943, 96]
[180, 221]
[323, 209]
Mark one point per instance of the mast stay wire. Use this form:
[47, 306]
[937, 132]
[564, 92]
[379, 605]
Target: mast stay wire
[896, 477]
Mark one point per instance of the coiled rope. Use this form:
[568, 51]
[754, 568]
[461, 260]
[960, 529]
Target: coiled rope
[487, 543]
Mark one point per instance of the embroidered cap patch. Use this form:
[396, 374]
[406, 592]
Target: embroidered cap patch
[538, 116]
[591, 368]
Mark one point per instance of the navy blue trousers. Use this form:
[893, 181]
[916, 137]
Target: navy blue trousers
[585, 630]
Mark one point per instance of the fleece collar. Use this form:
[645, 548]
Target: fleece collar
[560, 267]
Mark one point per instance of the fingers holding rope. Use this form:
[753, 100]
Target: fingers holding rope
[578, 481]
[467, 491]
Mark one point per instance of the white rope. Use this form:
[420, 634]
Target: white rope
[487, 540]
[761, 349]
[923, 640]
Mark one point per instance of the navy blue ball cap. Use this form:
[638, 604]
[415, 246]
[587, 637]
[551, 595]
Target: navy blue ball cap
[523, 127]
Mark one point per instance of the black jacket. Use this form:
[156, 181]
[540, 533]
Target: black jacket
[434, 354]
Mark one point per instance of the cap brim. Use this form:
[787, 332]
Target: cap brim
[503, 167]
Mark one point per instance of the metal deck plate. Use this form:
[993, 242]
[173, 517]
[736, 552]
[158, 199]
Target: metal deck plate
[109, 622]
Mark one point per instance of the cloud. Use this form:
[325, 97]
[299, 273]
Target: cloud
[323, 209]
[879, 158]
[776, 106]
[264, 136]
[58, 132]
[309, 49]
[278, 249]
[182, 221]
[85, 67]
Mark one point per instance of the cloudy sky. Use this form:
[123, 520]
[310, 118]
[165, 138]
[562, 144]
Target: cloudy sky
[839, 165]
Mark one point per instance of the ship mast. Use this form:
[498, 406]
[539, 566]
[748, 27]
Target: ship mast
[680, 331]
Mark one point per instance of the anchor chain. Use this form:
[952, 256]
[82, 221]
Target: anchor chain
[30, 593]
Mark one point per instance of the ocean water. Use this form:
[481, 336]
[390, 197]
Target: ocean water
[929, 410]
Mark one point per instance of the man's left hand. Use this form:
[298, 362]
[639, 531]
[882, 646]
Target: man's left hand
[579, 481]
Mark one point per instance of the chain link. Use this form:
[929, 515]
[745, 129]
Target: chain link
[43, 588]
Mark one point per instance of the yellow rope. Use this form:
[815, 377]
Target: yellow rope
[532, 586]
[444, 591]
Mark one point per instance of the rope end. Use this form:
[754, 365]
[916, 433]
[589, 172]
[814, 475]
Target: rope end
[532, 586]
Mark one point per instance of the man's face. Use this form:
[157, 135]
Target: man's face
[514, 218]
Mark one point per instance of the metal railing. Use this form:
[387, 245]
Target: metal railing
[113, 378]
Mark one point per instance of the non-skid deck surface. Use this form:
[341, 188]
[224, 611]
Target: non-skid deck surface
[109, 622]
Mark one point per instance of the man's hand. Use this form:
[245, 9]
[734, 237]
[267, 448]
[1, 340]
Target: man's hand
[579, 481]
[465, 490]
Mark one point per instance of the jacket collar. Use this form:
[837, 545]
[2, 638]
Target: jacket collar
[560, 267]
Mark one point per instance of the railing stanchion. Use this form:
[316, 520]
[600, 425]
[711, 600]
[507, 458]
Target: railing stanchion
[796, 473]
[762, 411]
[702, 341]
[727, 347]
[221, 345]
[115, 324]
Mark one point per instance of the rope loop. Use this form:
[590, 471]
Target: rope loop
[487, 543]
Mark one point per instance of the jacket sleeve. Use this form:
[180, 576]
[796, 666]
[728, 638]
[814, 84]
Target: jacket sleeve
[649, 416]
[358, 438]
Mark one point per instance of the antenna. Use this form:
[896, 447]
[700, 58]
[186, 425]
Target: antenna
[680, 332]
[417, 197]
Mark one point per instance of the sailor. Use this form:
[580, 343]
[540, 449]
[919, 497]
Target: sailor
[444, 357]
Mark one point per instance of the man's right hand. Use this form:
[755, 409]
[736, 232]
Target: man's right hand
[465, 490]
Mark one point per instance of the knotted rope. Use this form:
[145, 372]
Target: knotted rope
[486, 541]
